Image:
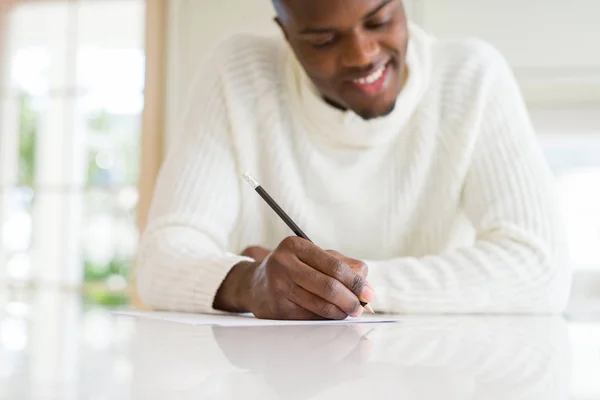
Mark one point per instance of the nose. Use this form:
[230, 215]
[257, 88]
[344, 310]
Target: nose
[359, 51]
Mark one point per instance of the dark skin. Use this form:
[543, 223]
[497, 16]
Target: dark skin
[336, 42]
[298, 280]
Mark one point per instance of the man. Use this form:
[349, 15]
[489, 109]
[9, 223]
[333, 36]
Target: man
[413, 158]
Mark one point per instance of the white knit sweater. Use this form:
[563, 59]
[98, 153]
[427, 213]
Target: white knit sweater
[448, 199]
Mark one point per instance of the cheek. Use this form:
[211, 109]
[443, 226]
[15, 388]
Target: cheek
[320, 65]
[398, 39]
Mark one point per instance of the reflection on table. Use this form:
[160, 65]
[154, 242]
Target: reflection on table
[420, 358]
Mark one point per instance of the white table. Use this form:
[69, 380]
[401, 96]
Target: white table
[53, 347]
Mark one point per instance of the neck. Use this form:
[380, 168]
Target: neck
[329, 123]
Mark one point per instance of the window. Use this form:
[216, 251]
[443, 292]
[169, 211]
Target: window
[571, 141]
[576, 162]
[70, 115]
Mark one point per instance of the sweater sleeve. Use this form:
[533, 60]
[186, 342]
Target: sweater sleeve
[518, 263]
[182, 259]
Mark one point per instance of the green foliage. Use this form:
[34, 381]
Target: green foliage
[100, 122]
[94, 172]
[101, 296]
[96, 291]
[94, 273]
[28, 125]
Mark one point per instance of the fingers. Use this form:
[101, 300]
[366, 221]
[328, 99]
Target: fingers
[368, 293]
[302, 281]
[300, 314]
[296, 312]
[337, 350]
[354, 278]
[328, 290]
[315, 304]
[335, 253]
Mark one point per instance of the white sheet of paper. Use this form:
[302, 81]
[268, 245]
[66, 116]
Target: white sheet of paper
[245, 319]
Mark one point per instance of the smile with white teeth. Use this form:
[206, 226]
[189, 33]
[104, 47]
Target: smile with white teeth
[371, 78]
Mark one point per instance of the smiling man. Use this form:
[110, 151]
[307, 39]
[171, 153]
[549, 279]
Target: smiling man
[358, 70]
[413, 159]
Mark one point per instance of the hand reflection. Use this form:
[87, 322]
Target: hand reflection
[425, 358]
[299, 361]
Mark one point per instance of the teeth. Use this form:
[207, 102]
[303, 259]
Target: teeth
[371, 78]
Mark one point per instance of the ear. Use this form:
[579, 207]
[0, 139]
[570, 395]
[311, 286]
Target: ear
[282, 27]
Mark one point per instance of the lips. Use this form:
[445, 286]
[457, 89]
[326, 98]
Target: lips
[374, 82]
[370, 78]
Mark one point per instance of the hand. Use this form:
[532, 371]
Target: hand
[299, 280]
[301, 361]
[325, 358]
[257, 253]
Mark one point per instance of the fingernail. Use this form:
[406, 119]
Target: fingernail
[367, 294]
[358, 313]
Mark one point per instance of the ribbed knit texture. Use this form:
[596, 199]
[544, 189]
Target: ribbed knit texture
[448, 199]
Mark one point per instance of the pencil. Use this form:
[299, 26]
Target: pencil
[283, 215]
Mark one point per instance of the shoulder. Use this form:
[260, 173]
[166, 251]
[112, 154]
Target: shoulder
[246, 46]
[461, 73]
[468, 49]
[472, 87]
[241, 58]
[468, 63]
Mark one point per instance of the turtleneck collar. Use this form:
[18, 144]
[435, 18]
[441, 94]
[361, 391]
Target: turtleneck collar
[346, 128]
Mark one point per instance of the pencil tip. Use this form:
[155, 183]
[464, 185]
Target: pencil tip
[369, 309]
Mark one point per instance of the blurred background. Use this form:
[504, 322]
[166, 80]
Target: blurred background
[90, 94]
[72, 100]
[77, 154]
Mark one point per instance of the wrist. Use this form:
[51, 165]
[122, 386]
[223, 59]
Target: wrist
[245, 285]
[235, 293]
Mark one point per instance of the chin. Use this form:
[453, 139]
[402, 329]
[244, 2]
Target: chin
[374, 113]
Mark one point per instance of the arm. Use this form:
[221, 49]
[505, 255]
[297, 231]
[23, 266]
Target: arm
[182, 258]
[183, 261]
[518, 262]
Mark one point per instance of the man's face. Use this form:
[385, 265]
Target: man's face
[353, 50]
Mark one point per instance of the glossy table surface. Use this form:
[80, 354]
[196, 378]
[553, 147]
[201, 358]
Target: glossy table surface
[52, 346]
